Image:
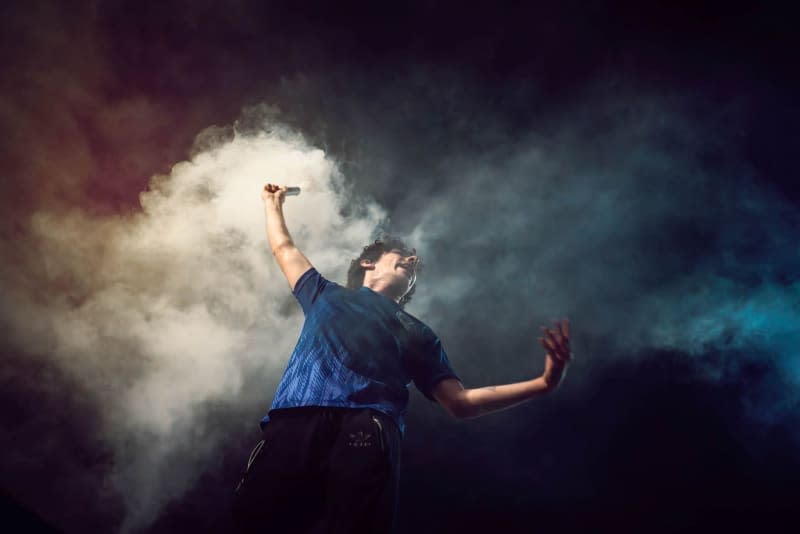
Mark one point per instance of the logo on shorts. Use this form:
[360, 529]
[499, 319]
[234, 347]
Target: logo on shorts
[360, 439]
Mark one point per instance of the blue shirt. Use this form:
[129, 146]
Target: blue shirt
[358, 349]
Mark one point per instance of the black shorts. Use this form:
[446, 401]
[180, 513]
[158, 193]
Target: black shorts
[321, 469]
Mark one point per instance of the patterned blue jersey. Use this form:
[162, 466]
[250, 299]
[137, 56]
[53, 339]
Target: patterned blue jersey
[358, 349]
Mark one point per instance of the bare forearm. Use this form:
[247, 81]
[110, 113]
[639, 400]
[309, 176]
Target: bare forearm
[277, 232]
[462, 403]
[291, 261]
[480, 401]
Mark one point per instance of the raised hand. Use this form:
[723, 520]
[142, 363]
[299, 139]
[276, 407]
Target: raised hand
[559, 355]
[273, 193]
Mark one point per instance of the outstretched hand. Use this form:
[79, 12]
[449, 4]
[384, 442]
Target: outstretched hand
[556, 343]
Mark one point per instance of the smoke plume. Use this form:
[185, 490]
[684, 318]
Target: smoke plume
[160, 312]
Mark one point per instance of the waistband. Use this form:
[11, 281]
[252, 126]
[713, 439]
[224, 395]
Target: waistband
[305, 411]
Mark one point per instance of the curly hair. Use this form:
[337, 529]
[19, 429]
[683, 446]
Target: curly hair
[373, 252]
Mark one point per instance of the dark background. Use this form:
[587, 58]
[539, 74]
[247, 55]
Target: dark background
[99, 96]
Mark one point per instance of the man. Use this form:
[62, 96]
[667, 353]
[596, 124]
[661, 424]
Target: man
[330, 455]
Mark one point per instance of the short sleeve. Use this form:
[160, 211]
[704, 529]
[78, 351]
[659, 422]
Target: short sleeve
[308, 288]
[430, 367]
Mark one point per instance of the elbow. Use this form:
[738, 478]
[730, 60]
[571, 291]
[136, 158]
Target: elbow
[454, 399]
[280, 248]
[461, 409]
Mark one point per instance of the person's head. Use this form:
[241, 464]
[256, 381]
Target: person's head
[388, 266]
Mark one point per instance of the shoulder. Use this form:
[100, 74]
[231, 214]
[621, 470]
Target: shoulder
[312, 286]
[414, 325]
[313, 276]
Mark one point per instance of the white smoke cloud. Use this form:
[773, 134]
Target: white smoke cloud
[158, 312]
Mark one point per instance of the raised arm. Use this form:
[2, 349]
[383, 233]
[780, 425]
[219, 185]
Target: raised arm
[463, 403]
[291, 261]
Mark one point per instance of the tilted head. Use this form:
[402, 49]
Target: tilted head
[388, 266]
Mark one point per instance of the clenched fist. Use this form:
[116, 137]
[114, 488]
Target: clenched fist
[274, 193]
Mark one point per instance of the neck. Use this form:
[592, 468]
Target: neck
[383, 288]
